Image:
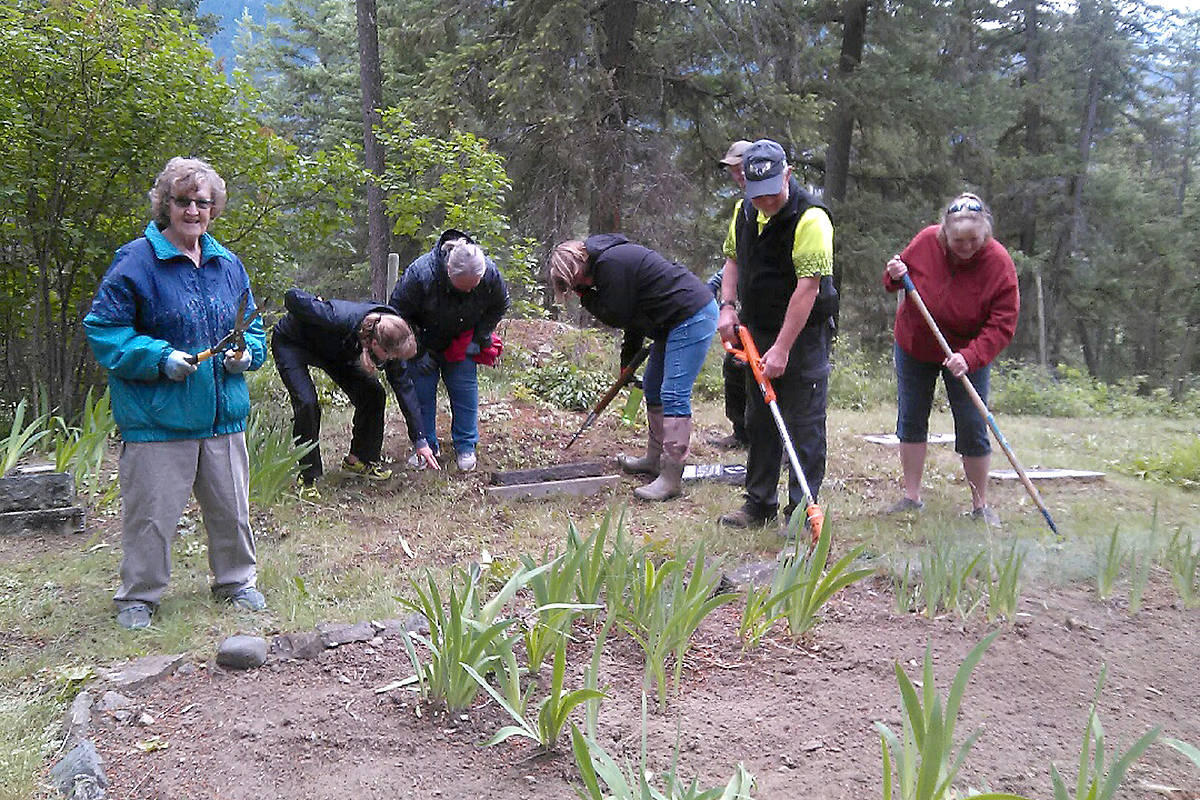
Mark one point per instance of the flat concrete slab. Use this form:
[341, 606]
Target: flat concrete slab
[1047, 475]
[890, 440]
[577, 487]
[733, 474]
[558, 472]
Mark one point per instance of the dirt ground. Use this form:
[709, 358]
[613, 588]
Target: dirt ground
[799, 716]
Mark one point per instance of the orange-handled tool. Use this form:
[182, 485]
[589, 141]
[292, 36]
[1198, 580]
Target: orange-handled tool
[235, 337]
[749, 354]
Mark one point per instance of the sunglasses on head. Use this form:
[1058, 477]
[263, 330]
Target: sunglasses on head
[183, 202]
[965, 204]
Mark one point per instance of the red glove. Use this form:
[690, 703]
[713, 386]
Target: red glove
[457, 351]
[488, 355]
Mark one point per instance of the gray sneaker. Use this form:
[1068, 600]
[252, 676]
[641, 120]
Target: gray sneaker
[467, 461]
[248, 599]
[985, 513]
[135, 616]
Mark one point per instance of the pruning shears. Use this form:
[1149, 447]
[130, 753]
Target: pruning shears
[236, 337]
[748, 353]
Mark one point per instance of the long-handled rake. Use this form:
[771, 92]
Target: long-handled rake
[979, 404]
[625, 377]
[749, 354]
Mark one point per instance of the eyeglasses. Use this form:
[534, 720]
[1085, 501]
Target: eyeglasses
[183, 202]
[965, 204]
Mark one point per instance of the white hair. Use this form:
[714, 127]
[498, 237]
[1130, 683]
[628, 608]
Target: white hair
[463, 259]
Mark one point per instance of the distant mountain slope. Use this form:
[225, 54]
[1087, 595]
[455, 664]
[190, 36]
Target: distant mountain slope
[229, 12]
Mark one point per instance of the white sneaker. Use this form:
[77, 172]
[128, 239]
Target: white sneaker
[466, 461]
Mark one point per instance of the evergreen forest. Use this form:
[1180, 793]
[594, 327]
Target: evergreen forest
[528, 121]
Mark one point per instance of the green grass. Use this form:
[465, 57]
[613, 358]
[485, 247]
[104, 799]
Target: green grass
[342, 559]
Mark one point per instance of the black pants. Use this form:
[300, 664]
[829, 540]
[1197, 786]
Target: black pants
[734, 372]
[365, 392]
[801, 399]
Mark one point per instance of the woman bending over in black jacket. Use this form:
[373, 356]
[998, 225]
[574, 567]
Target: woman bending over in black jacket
[350, 341]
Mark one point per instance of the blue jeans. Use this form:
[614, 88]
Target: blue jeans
[915, 384]
[462, 387]
[674, 363]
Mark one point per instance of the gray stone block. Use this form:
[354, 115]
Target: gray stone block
[78, 718]
[242, 652]
[81, 768]
[43, 520]
[133, 675]
[29, 492]
[301, 644]
[755, 573]
[336, 634]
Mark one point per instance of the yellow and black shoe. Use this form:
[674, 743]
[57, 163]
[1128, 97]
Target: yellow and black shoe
[374, 472]
[308, 491]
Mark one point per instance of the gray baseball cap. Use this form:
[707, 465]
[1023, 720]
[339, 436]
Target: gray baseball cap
[733, 156]
[764, 163]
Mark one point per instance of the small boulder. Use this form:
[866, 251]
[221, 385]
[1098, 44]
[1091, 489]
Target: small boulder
[242, 652]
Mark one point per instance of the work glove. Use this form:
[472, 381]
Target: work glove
[237, 361]
[177, 367]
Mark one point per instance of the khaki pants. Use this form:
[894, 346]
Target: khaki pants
[156, 480]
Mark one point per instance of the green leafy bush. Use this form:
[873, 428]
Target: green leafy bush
[860, 380]
[1179, 466]
[565, 385]
[1070, 392]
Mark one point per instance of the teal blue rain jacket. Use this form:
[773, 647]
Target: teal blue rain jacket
[153, 300]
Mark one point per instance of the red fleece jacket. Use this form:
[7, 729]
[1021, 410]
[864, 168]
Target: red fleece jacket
[975, 303]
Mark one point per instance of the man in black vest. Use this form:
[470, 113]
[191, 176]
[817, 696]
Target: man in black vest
[780, 287]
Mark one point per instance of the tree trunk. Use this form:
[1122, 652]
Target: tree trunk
[1064, 248]
[1032, 112]
[371, 85]
[841, 122]
[618, 21]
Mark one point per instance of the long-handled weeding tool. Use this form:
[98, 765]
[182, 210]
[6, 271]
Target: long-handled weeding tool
[749, 354]
[236, 337]
[625, 377]
[979, 404]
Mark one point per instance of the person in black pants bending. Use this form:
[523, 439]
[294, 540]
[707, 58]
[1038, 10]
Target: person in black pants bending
[350, 341]
[780, 286]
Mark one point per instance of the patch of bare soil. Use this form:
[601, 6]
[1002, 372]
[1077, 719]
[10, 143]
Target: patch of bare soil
[799, 715]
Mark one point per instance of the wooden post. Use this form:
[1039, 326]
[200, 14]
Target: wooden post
[393, 274]
[1041, 311]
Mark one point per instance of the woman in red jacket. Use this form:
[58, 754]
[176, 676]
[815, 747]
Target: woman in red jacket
[969, 284]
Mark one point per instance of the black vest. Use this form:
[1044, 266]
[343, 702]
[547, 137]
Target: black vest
[766, 275]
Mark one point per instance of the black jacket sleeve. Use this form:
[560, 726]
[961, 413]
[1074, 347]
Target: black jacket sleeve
[630, 345]
[493, 312]
[312, 310]
[406, 398]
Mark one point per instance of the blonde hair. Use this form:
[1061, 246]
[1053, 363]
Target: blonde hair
[568, 263]
[184, 174]
[463, 259]
[390, 332]
[966, 208]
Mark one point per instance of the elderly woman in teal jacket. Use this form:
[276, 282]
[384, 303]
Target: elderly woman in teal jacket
[169, 294]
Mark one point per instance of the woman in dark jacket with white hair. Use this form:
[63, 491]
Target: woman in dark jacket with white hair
[634, 288]
[454, 297]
